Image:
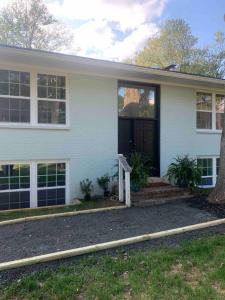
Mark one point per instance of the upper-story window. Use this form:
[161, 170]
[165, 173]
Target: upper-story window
[209, 111]
[219, 111]
[204, 111]
[51, 91]
[14, 96]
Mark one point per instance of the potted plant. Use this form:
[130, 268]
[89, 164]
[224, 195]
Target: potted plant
[103, 182]
[184, 172]
[139, 174]
[86, 187]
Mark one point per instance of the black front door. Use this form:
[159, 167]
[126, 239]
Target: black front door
[138, 122]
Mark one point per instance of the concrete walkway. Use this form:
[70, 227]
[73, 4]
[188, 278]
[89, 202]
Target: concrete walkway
[41, 237]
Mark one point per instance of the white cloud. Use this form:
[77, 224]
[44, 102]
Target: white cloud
[127, 13]
[107, 29]
[96, 39]
[134, 19]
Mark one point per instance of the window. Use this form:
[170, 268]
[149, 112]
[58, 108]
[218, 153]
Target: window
[14, 186]
[14, 96]
[209, 167]
[51, 92]
[209, 111]
[219, 111]
[206, 167]
[204, 111]
[217, 165]
[137, 102]
[51, 184]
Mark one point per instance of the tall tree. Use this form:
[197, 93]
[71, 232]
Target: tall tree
[175, 44]
[29, 24]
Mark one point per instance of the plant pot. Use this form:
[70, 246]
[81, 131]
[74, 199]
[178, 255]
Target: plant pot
[182, 183]
[106, 193]
[87, 197]
[134, 187]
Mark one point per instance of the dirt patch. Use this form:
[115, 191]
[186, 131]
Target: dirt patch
[201, 203]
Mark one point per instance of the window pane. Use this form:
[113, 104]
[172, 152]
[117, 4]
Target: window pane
[51, 112]
[204, 101]
[217, 166]
[42, 169]
[24, 170]
[61, 168]
[14, 89]
[14, 77]
[42, 79]
[42, 92]
[51, 180]
[24, 90]
[4, 89]
[52, 93]
[24, 182]
[206, 181]
[51, 168]
[42, 181]
[61, 94]
[14, 170]
[220, 103]
[24, 78]
[136, 102]
[4, 76]
[204, 120]
[61, 180]
[14, 183]
[4, 183]
[219, 120]
[52, 79]
[61, 81]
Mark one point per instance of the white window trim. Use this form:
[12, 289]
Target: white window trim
[33, 178]
[33, 124]
[214, 175]
[213, 130]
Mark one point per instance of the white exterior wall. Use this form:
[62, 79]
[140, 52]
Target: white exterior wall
[90, 143]
[178, 127]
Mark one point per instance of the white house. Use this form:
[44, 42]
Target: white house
[65, 118]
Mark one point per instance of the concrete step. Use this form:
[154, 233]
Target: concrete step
[159, 192]
[159, 201]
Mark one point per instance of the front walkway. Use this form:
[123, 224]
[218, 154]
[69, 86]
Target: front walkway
[41, 237]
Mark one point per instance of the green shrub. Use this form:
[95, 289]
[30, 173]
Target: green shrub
[103, 182]
[184, 172]
[139, 174]
[86, 187]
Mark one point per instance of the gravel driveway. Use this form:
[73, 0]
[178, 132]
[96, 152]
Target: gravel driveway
[63, 233]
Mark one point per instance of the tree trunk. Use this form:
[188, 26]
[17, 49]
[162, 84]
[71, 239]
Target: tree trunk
[218, 193]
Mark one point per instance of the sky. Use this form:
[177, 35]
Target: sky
[117, 29]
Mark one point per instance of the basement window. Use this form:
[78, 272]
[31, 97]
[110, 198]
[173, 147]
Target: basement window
[209, 167]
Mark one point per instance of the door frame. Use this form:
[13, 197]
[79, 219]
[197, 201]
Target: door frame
[137, 84]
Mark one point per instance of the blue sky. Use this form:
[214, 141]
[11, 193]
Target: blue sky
[117, 29]
[204, 16]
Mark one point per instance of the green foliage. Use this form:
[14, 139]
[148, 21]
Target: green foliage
[103, 182]
[139, 174]
[29, 24]
[86, 187]
[184, 172]
[175, 44]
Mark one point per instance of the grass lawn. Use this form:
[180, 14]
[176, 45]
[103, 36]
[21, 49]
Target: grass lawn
[4, 215]
[195, 270]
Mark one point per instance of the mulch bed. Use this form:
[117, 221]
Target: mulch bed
[201, 203]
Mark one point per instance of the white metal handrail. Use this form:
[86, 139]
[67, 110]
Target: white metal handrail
[124, 167]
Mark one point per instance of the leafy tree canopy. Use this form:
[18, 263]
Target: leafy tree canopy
[175, 44]
[29, 24]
